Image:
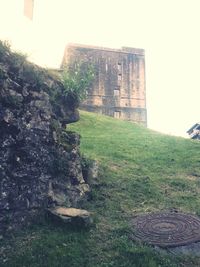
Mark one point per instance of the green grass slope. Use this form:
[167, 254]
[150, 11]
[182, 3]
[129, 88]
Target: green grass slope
[151, 171]
[140, 171]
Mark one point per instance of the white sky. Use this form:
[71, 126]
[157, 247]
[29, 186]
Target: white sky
[168, 30]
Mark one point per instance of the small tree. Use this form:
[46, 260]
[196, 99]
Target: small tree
[78, 79]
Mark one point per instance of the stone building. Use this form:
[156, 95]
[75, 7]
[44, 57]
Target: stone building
[118, 89]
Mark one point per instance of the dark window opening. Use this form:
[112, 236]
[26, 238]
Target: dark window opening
[119, 66]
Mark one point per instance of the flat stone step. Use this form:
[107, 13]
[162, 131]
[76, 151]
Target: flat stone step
[72, 216]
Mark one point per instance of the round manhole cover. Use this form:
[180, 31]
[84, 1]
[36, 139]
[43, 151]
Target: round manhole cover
[167, 229]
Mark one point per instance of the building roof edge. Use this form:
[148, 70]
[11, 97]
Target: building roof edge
[126, 50]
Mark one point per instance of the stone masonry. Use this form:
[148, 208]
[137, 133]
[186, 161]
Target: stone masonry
[118, 89]
[40, 162]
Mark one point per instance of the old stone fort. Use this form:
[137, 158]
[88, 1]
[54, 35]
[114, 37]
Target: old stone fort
[118, 89]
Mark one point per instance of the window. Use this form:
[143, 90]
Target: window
[116, 92]
[106, 67]
[119, 67]
[117, 114]
[119, 77]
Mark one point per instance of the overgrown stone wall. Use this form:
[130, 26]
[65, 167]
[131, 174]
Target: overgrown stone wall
[40, 163]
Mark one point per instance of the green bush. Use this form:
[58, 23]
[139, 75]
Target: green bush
[78, 79]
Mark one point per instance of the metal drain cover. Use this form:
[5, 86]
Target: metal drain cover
[167, 229]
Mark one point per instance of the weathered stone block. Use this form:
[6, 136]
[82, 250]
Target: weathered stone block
[75, 217]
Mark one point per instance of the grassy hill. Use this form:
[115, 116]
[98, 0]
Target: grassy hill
[140, 171]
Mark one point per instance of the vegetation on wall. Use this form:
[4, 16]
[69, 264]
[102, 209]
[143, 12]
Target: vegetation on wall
[78, 79]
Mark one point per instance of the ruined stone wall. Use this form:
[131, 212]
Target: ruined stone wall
[40, 163]
[119, 86]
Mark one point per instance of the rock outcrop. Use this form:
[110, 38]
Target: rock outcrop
[40, 163]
